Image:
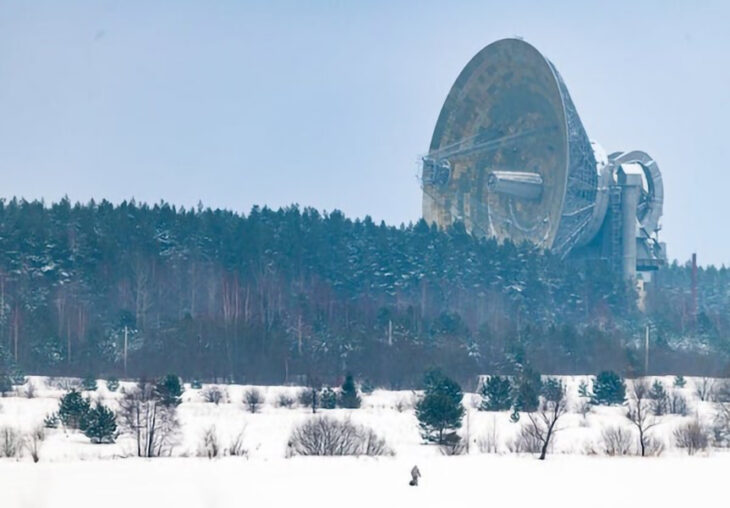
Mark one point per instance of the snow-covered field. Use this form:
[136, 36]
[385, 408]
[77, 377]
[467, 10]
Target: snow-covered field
[74, 472]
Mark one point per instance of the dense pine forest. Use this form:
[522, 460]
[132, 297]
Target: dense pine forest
[295, 294]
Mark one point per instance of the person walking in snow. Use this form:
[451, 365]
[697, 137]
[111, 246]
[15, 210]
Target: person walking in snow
[415, 475]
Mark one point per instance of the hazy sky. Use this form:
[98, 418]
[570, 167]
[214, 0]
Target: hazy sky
[330, 104]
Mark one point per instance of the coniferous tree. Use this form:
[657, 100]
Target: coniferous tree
[526, 389]
[6, 385]
[89, 383]
[169, 390]
[112, 384]
[659, 398]
[72, 409]
[608, 389]
[583, 390]
[440, 410]
[328, 398]
[349, 398]
[100, 424]
[496, 393]
[679, 381]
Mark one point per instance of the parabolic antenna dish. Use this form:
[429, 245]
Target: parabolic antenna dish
[509, 156]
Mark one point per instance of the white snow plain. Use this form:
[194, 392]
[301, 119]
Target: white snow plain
[74, 472]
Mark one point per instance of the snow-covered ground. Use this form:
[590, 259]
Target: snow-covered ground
[71, 468]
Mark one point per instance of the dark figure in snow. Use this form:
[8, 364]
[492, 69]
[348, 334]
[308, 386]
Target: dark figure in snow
[415, 475]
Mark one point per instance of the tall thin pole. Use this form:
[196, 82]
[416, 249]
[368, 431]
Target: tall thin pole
[125, 351]
[646, 352]
[694, 289]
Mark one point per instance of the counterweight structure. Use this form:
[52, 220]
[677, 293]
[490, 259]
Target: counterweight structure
[509, 158]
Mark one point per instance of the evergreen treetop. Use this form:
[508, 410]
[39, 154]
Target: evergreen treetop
[349, 397]
[608, 389]
[440, 410]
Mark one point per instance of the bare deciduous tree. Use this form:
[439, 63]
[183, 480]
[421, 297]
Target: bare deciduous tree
[214, 394]
[703, 389]
[692, 437]
[617, 441]
[209, 443]
[640, 413]
[11, 442]
[543, 422]
[153, 425]
[33, 442]
[253, 399]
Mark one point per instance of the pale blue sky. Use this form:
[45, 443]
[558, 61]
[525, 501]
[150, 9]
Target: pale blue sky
[330, 104]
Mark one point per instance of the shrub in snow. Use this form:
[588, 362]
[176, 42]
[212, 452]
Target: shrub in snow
[439, 411]
[721, 391]
[328, 399]
[496, 394]
[112, 384]
[307, 397]
[677, 404]
[489, 441]
[89, 383]
[404, 404]
[608, 389]
[525, 441]
[349, 397]
[209, 444]
[10, 442]
[6, 385]
[704, 388]
[30, 390]
[51, 421]
[236, 449]
[679, 381]
[72, 409]
[214, 394]
[721, 425]
[367, 387]
[253, 399]
[617, 441]
[659, 399]
[169, 390]
[196, 384]
[453, 446]
[692, 437]
[33, 442]
[285, 400]
[327, 436]
[100, 424]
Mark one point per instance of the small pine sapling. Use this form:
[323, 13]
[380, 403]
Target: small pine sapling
[328, 398]
[608, 389]
[679, 381]
[349, 397]
[659, 399]
[496, 394]
[89, 383]
[112, 384]
[169, 390]
[100, 424]
[72, 409]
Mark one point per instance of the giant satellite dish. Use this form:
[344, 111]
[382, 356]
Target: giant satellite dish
[509, 156]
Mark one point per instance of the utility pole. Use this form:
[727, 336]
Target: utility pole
[125, 351]
[646, 351]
